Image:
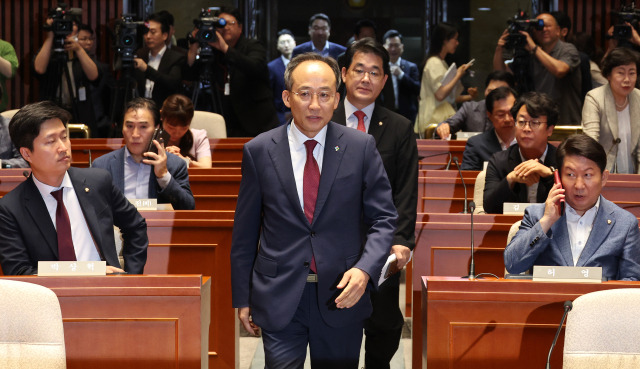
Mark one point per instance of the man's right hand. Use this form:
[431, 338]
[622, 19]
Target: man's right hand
[443, 131]
[503, 38]
[244, 314]
[552, 209]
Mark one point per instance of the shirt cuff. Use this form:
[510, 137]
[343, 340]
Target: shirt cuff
[164, 180]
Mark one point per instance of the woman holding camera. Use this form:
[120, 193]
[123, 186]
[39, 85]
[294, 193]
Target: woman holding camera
[436, 98]
[611, 112]
[191, 144]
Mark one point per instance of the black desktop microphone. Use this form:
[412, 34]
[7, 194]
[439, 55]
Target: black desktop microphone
[455, 160]
[472, 266]
[438, 154]
[568, 305]
[616, 141]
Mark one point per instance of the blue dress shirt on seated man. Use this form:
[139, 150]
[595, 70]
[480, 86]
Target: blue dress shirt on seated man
[591, 231]
[140, 174]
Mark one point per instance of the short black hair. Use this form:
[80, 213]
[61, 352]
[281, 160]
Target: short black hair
[498, 94]
[164, 23]
[25, 124]
[367, 45]
[582, 145]
[235, 12]
[321, 16]
[144, 103]
[362, 23]
[562, 19]
[285, 31]
[538, 104]
[85, 27]
[310, 56]
[168, 16]
[617, 57]
[500, 75]
[391, 33]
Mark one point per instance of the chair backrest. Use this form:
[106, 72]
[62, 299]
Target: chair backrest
[31, 332]
[9, 113]
[478, 192]
[512, 232]
[603, 330]
[211, 122]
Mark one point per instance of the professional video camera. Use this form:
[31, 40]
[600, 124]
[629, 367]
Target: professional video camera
[128, 39]
[206, 25]
[521, 22]
[627, 14]
[62, 25]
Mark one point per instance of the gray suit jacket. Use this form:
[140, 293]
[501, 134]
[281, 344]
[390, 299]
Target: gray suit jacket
[612, 244]
[471, 117]
[600, 121]
[177, 193]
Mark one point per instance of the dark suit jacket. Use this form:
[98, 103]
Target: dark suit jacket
[177, 193]
[471, 117]
[496, 187]
[334, 49]
[397, 146]
[612, 244]
[479, 149]
[273, 242]
[276, 82]
[167, 79]
[27, 234]
[408, 90]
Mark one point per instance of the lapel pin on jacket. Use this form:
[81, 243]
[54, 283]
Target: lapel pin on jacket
[337, 148]
[86, 189]
[608, 221]
[380, 123]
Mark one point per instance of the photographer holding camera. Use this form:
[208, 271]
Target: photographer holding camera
[240, 76]
[554, 67]
[68, 75]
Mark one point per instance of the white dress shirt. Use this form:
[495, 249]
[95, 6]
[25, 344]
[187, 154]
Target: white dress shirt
[579, 228]
[396, 79]
[154, 62]
[299, 154]
[83, 243]
[352, 120]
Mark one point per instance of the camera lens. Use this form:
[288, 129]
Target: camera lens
[207, 36]
[127, 40]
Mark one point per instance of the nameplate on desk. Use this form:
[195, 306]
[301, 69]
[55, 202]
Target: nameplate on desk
[567, 274]
[514, 208]
[463, 136]
[71, 268]
[145, 204]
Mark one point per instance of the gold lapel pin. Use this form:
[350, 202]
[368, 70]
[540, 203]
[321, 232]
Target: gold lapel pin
[86, 189]
[608, 221]
[380, 123]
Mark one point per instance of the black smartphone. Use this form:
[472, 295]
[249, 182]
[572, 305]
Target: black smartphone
[159, 135]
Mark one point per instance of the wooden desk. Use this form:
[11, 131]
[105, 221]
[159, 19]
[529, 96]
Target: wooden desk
[132, 321]
[494, 323]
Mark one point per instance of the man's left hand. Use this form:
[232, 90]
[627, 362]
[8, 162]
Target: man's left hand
[159, 160]
[220, 43]
[140, 64]
[354, 281]
[403, 253]
[530, 43]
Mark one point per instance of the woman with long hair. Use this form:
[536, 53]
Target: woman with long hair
[190, 144]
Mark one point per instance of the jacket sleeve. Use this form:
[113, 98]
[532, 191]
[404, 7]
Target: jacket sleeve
[525, 247]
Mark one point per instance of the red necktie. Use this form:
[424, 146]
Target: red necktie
[360, 115]
[66, 252]
[310, 182]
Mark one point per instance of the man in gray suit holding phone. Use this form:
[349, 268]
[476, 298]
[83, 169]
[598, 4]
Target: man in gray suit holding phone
[591, 231]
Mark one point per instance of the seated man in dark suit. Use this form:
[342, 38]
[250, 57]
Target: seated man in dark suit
[147, 175]
[521, 173]
[319, 31]
[63, 213]
[405, 78]
[590, 231]
[158, 68]
[286, 43]
[472, 115]
[481, 148]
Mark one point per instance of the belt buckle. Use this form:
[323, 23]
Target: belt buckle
[312, 278]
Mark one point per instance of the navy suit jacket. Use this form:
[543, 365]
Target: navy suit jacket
[276, 81]
[612, 244]
[408, 90]
[496, 187]
[480, 148]
[27, 234]
[396, 143]
[177, 193]
[334, 49]
[273, 242]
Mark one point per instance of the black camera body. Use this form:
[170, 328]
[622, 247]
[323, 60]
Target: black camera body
[128, 39]
[206, 25]
[62, 25]
[626, 18]
[521, 22]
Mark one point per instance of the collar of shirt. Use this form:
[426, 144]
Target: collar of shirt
[136, 177]
[397, 63]
[298, 154]
[297, 139]
[588, 216]
[505, 146]
[324, 51]
[45, 189]
[352, 120]
[158, 56]
[285, 60]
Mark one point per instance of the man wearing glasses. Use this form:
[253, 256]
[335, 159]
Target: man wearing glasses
[313, 226]
[365, 73]
[522, 173]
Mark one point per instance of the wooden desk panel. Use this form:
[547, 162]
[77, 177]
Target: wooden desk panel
[494, 323]
[131, 321]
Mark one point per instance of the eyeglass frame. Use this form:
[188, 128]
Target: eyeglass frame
[312, 93]
[533, 124]
[373, 74]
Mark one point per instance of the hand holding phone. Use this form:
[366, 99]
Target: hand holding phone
[556, 180]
